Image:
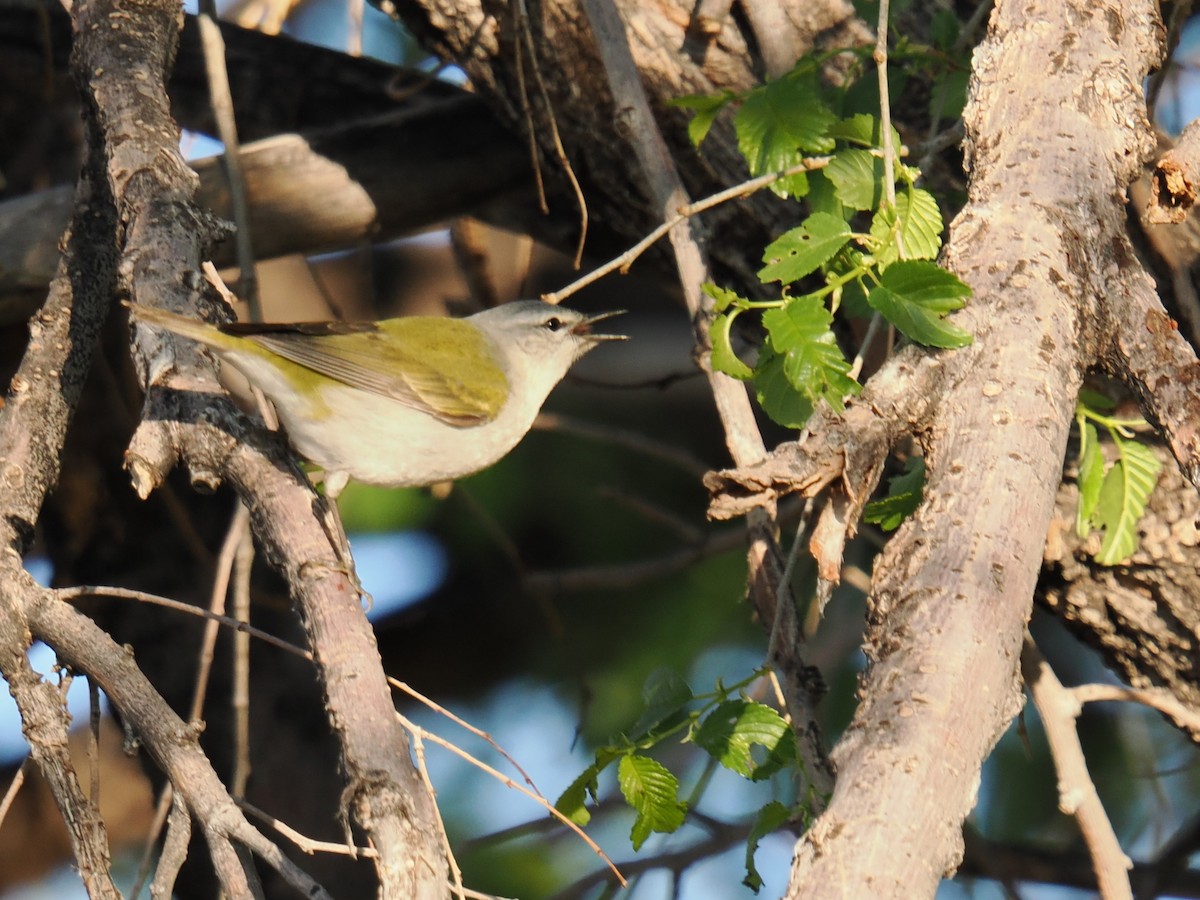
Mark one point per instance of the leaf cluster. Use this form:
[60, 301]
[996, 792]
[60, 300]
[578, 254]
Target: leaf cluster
[742, 735]
[1112, 495]
[825, 264]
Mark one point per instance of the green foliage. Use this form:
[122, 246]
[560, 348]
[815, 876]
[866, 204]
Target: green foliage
[1112, 497]
[731, 732]
[742, 735]
[706, 108]
[913, 230]
[838, 162]
[903, 497]
[802, 250]
[779, 122]
[649, 787]
[915, 296]
[770, 818]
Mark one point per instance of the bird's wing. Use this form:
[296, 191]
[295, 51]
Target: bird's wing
[443, 367]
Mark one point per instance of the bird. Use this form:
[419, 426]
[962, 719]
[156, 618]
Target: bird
[406, 402]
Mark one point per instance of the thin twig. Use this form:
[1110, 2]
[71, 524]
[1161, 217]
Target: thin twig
[1058, 709]
[508, 782]
[162, 808]
[306, 844]
[240, 699]
[556, 139]
[213, 45]
[1159, 699]
[423, 769]
[216, 604]
[10, 793]
[785, 580]
[436, 707]
[624, 261]
[868, 338]
[174, 848]
[880, 57]
[94, 740]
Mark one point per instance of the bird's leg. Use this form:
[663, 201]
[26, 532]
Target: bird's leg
[331, 523]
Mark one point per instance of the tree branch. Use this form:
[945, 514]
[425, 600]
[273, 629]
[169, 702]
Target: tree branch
[772, 598]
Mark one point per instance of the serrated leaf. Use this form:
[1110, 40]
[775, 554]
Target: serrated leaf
[813, 363]
[1091, 478]
[916, 296]
[722, 298]
[903, 497]
[666, 696]
[770, 819]
[731, 731]
[802, 250]
[572, 803]
[777, 124]
[652, 791]
[1122, 501]
[920, 227]
[857, 177]
[723, 357]
[707, 107]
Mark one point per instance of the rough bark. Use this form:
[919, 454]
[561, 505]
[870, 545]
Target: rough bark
[952, 591]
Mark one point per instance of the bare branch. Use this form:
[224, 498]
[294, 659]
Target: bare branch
[1077, 796]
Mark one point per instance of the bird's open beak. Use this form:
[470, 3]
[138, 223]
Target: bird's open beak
[584, 328]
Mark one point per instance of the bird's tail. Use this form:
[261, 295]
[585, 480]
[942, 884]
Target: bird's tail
[188, 327]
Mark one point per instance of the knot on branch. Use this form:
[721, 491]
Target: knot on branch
[852, 447]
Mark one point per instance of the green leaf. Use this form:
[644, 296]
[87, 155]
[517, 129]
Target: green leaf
[863, 129]
[1123, 499]
[770, 819]
[652, 791]
[920, 227]
[944, 29]
[1091, 478]
[1097, 401]
[857, 177]
[822, 196]
[731, 730]
[707, 107]
[778, 123]
[723, 357]
[949, 96]
[775, 394]
[802, 250]
[666, 696]
[903, 497]
[722, 298]
[916, 296]
[572, 803]
[813, 363]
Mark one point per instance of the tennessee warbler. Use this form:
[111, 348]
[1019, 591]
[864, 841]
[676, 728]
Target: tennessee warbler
[403, 402]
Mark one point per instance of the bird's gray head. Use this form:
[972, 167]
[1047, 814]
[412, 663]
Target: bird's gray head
[539, 341]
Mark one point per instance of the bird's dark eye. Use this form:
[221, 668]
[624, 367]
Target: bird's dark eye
[554, 324]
